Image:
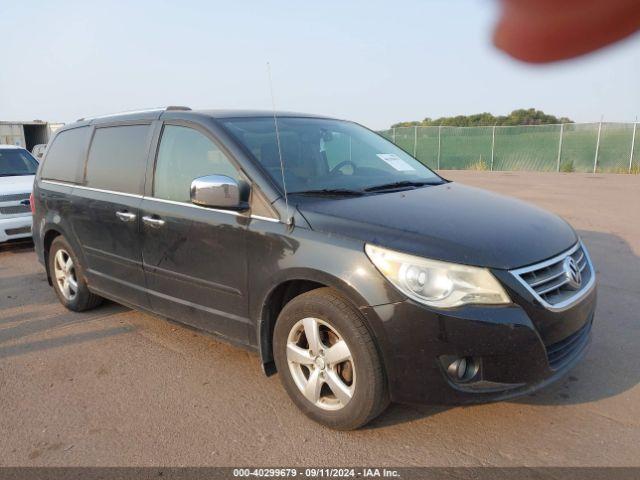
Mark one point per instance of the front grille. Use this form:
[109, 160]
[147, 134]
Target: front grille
[14, 197]
[558, 354]
[550, 282]
[15, 209]
[17, 231]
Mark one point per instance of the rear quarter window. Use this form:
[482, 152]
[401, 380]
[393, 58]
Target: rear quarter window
[65, 157]
[117, 158]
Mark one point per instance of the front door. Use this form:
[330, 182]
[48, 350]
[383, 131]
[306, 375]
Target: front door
[194, 257]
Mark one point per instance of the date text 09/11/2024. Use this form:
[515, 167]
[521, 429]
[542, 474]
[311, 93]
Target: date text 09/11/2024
[317, 472]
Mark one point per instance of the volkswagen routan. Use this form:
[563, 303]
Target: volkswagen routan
[355, 272]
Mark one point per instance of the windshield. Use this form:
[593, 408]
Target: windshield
[328, 155]
[16, 162]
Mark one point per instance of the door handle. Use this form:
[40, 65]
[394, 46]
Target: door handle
[153, 222]
[126, 216]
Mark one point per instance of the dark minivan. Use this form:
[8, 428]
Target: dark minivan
[357, 273]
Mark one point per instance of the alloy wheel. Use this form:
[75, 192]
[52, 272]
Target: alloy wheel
[321, 364]
[65, 274]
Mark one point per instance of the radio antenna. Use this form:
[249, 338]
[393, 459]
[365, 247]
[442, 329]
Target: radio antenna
[275, 122]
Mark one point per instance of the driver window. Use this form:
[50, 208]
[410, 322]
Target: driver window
[349, 154]
[186, 154]
[336, 149]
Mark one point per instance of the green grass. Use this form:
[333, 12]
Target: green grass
[531, 148]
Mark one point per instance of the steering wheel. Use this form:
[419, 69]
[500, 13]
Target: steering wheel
[339, 166]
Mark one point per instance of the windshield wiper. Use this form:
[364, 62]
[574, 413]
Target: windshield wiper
[21, 174]
[330, 192]
[401, 184]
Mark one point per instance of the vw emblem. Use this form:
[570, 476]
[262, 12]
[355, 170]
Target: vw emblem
[572, 273]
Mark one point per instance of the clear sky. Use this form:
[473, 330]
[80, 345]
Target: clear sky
[376, 62]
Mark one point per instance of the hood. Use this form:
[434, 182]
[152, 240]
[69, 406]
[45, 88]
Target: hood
[449, 222]
[19, 184]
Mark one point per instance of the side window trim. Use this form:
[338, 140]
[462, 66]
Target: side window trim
[157, 126]
[146, 197]
[85, 157]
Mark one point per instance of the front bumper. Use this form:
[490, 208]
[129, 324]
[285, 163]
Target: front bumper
[519, 349]
[15, 227]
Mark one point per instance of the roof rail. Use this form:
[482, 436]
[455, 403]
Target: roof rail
[158, 109]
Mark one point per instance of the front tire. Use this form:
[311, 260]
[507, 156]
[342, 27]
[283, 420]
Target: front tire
[328, 362]
[68, 278]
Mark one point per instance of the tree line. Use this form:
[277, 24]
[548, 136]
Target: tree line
[523, 116]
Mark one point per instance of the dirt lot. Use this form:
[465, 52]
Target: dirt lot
[117, 387]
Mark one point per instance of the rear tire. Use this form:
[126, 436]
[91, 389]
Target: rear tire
[337, 377]
[68, 278]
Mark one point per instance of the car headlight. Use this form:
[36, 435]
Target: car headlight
[435, 283]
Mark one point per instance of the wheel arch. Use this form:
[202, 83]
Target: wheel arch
[47, 239]
[286, 289]
[50, 232]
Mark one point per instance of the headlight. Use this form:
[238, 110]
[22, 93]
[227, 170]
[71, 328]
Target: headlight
[435, 283]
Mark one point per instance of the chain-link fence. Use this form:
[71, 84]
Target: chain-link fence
[570, 147]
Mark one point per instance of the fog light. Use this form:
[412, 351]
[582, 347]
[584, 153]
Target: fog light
[458, 368]
[462, 369]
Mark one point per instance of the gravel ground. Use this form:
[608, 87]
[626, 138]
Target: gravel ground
[117, 387]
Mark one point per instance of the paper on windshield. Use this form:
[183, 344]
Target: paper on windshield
[395, 161]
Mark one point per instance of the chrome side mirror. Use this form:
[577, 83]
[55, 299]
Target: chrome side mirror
[217, 191]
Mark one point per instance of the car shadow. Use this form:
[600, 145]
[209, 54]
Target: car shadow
[26, 325]
[397, 414]
[46, 344]
[31, 318]
[16, 246]
[16, 328]
[20, 289]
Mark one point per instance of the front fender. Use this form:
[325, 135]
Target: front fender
[277, 256]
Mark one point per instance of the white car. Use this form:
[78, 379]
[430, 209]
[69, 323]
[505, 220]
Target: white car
[17, 170]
